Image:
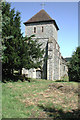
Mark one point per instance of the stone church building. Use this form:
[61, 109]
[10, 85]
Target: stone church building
[46, 31]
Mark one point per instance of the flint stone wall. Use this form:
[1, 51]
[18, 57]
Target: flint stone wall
[53, 67]
[49, 30]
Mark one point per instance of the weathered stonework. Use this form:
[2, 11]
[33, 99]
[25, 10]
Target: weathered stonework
[54, 67]
[49, 30]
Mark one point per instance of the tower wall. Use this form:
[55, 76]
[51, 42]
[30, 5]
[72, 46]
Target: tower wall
[49, 30]
[53, 63]
[56, 62]
[53, 66]
[50, 61]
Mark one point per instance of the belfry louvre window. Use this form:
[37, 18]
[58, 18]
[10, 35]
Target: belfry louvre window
[34, 29]
[42, 29]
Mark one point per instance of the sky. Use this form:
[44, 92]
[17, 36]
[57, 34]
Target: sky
[64, 13]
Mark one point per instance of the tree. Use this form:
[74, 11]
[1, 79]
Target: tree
[74, 66]
[30, 54]
[11, 35]
[0, 32]
[34, 53]
[21, 52]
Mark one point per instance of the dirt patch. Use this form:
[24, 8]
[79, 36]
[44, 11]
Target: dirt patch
[27, 102]
[54, 97]
[63, 87]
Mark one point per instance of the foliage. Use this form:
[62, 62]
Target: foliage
[65, 78]
[20, 51]
[11, 35]
[74, 66]
[34, 53]
[0, 32]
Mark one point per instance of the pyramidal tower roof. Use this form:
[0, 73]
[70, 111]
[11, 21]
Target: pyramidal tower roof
[41, 16]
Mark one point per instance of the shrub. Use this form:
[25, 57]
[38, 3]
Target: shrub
[74, 66]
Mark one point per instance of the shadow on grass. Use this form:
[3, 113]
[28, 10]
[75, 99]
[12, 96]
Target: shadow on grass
[15, 78]
[60, 114]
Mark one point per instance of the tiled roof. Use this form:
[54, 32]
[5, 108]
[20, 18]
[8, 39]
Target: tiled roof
[41, 16]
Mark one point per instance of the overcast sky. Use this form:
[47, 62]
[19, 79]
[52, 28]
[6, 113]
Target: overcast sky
[65, 15]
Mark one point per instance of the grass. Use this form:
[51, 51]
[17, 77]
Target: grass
[39, 99]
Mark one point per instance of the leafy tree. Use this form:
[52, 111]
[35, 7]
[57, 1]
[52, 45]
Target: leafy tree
[21, 52]
[10, 37]
[0, 31]
[74, 66]
[34, 53]
[30, 54]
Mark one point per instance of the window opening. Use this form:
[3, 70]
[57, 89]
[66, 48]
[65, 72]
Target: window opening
[42, 29]
[34, 29]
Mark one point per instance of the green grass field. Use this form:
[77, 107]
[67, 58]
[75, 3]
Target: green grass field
[40, 99]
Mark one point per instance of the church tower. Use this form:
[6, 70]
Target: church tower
[42, 25]
[45, 30]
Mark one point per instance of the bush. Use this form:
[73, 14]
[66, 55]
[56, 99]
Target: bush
[74, 66]
[65, 78]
